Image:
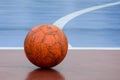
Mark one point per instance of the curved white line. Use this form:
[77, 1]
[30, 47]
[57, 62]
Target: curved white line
[64, 20]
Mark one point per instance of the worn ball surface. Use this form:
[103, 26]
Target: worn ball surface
[45, 45]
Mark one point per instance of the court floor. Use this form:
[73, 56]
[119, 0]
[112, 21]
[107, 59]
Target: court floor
[86, 23]
[79, 64]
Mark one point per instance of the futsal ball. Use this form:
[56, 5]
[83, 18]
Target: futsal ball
[45, 45]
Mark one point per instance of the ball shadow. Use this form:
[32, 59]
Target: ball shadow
[45, 74]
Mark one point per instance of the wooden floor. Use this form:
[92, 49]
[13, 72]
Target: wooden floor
[78, 65]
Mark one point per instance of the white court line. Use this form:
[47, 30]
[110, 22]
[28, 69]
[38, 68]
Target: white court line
[11, 48]
[75, 48]
[64, 20]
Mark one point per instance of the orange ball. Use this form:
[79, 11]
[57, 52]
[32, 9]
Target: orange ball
[45, 45]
